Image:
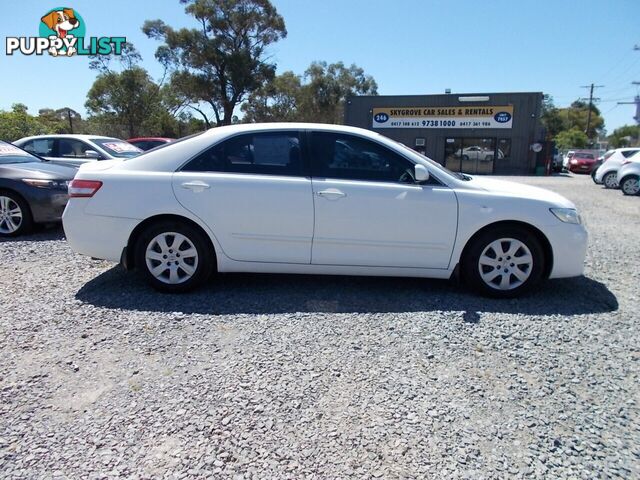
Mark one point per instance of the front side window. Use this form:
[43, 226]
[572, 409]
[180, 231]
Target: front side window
[71, 148]
[276, 153]
[342, 156]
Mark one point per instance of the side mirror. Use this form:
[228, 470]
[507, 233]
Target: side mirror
[421, 173]
[92, 154]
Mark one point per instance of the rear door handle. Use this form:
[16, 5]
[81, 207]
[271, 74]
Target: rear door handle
[196, 186]
[331, 194]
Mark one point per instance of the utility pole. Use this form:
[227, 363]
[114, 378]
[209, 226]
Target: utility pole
[591, 100]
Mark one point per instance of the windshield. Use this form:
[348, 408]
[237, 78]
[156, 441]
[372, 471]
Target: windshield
[117, 148]
[458, 175]
[12, 154]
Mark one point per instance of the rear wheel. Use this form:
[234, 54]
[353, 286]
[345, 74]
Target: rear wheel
[15, 215]
[610, 180]
[503, 262]
[630, 185]
[174, 257]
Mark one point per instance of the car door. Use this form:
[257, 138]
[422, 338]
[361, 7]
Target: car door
[370, 212]
[251, 190]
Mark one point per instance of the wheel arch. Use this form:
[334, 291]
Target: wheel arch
[541, 237]
[128, 254]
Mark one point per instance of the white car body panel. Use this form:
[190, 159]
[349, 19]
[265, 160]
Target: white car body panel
[630, 168]
[273, 224]
[258, 217]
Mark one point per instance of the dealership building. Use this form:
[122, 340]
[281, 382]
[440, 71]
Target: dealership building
[479, 133]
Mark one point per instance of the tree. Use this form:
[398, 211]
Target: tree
[551, 119]
[224, 60]
[61, 120]
[625, 136]
[573, 138]
[277, 101]
[328, 88]
[124, 101]
[320, 98]
[18, 123]
[576, 116]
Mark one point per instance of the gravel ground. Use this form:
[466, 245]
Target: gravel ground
[270, 376]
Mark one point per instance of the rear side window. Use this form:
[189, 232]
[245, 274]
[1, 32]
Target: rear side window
[273, 153]
[353, 158]
[40, 146]
[628, 153]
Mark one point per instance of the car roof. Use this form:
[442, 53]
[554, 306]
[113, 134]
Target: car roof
[149, 138]
[80, 136]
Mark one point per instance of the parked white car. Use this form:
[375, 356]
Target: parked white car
[316, 199]
[72, 149]
[629, 175]
[607, 172]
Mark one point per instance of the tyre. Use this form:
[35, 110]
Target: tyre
[630, 185]
[503, 262]
[610, 180]
[15, 215]
[174, 257]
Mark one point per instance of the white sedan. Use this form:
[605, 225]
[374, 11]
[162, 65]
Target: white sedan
[316, 199]
[75, 149]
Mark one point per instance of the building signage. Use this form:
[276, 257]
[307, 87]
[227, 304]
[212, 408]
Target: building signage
[487, 116]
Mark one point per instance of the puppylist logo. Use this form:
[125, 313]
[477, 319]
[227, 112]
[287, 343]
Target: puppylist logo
[62, 34]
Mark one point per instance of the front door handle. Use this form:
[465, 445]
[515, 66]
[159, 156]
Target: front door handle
[331, 194]
[196, 186]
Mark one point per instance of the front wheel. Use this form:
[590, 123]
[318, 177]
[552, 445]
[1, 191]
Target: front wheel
[503, 262]
[174, 257]
[610, 180]
[15, 215]
[630, 185]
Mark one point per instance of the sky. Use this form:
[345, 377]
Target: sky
[408, 46]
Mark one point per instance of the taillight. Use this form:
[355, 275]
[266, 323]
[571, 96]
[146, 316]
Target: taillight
[625, 161]
[83, 188]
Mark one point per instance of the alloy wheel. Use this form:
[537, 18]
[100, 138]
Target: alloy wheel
[10, 215]
[505, 264]
[610, 180]
[631, 186]
[171, 258]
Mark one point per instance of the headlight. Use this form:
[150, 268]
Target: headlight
[574, 162]
[40, 183]
[566, 215]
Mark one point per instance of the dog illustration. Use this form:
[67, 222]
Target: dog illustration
[61, 21]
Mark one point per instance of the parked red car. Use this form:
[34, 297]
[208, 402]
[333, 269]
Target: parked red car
[147, 143]
[582, 162]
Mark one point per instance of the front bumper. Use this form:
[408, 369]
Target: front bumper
[569, 245]
[46, 204]
[97, 236]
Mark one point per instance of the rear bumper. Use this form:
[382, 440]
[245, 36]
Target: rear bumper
[96, 235]
[569, 245]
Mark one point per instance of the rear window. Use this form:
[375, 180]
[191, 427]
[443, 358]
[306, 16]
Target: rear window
[117, 148]
[628, 153]
[12, 154]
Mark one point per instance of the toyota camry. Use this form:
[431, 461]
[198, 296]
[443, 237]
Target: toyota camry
[316, 199]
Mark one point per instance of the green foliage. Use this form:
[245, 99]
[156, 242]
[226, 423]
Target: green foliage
[625, 136]
[573, 138]
[61, 120]
[18, 123]
[224, 60]
[320, 98]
